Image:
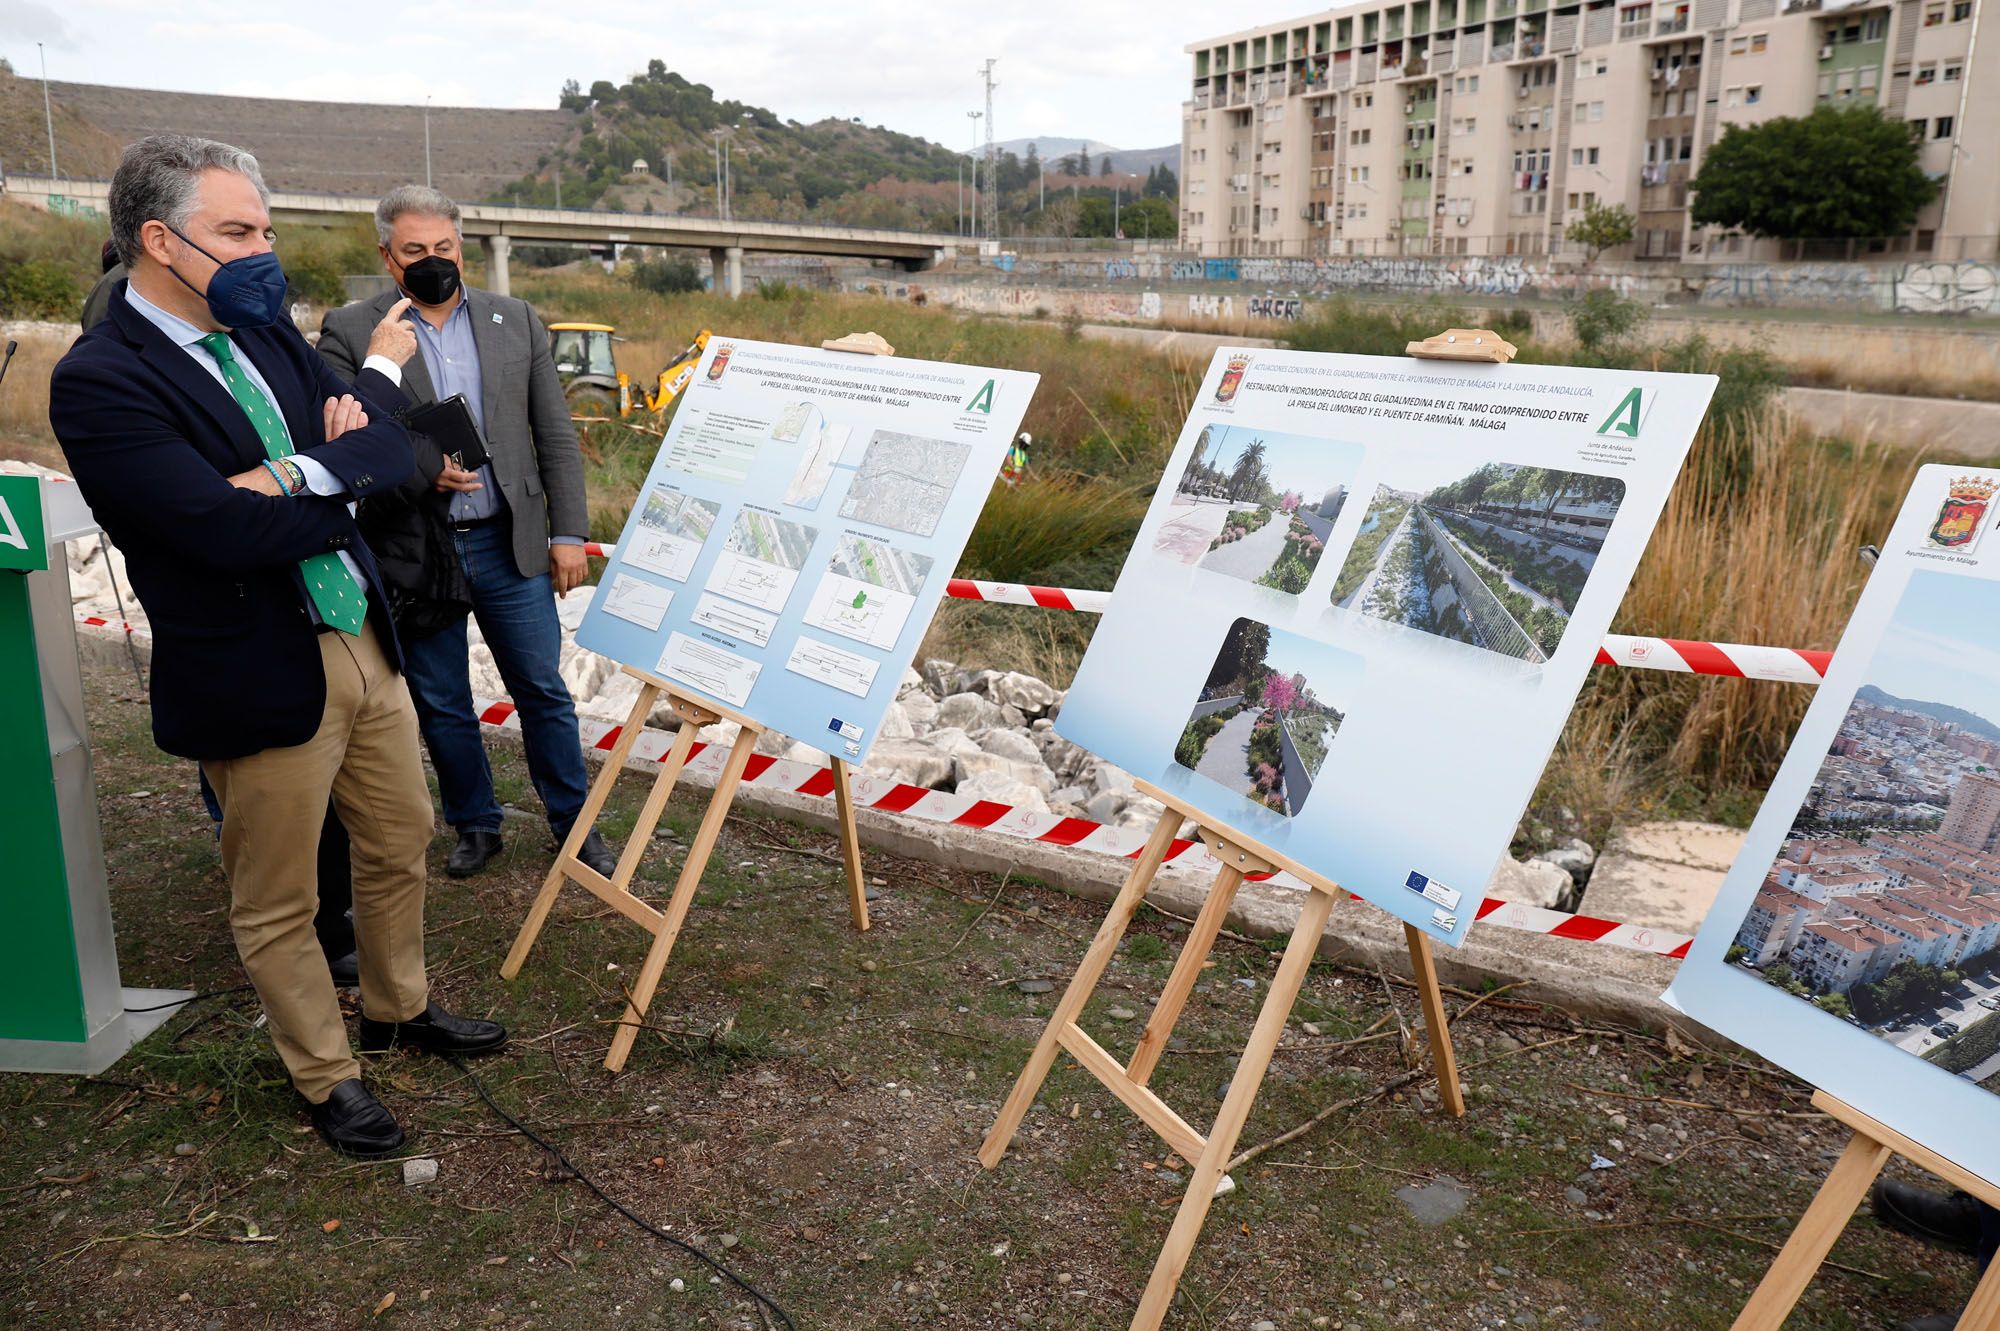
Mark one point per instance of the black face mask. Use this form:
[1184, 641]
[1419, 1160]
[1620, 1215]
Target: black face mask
[431, 280]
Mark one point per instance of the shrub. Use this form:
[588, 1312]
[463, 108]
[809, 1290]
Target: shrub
[40, 289]
[667, 276]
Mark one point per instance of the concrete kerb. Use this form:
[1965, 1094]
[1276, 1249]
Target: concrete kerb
[1603, 983]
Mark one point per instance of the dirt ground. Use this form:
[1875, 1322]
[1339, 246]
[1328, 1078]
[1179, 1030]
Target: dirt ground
[807, 1107]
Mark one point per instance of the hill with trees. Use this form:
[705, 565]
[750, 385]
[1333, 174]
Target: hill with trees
[650, 145]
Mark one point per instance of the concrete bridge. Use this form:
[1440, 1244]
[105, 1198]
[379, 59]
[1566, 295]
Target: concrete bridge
[497, 226]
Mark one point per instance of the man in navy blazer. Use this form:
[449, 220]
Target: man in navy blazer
[223, 456]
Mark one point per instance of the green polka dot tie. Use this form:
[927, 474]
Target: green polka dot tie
[340, 601]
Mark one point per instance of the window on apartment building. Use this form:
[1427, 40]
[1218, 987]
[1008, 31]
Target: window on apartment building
[1753, 94]
[1926, 74]
[1943, 130]
[1961, 11]
[1596, 112]
[1739, 46]
[1918, 126]
[1758, 41]
[1357, 137]
[1933, 16]
[1875, 27]
[1689, 98]
[1687, 147]
[1362, 99]
[1952, 73]
[1732, 96]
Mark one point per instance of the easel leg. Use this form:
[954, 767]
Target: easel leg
[1809, 1244]
[586, 818]
[1187, 969]
[656, 804]
[1095, 959]
[1983, 1312]
[677, 908]
[850, 846]
[1229, 1123]
[1443, 1060]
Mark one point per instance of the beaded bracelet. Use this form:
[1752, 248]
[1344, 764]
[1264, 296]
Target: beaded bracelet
[283, 487]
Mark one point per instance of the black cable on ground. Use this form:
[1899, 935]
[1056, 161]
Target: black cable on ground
[183, 1002]
[613, 1202]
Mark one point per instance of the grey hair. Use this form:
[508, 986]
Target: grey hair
[421, 199]
[159, 179]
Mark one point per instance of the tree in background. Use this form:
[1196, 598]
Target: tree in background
[1841, 173]
[1603, 226]
[1104, 167]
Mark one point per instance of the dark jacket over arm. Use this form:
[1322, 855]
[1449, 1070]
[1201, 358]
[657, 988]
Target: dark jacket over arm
[151, 439]
[529, 435]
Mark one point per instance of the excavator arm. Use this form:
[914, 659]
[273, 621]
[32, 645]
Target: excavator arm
[675, 377]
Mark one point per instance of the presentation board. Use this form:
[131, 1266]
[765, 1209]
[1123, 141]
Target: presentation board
[1856, 939]
[1363, 600]
[797, 529]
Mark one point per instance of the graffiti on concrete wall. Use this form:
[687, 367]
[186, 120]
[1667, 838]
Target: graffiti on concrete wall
[1958, 287]
[1948, 288]
[1276, 307]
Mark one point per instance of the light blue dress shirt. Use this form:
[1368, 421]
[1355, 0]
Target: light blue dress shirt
[187, 337]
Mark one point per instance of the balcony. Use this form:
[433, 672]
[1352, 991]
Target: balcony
[1503, 53]
[1667, 27]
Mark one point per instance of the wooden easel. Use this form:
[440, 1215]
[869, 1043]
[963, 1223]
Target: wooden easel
[1240, 855]
[616, 892]
[1868, 1150]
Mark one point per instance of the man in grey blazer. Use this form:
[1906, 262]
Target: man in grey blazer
[517, 524]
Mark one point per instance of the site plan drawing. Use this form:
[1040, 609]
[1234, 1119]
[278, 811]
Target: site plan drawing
[858, 476]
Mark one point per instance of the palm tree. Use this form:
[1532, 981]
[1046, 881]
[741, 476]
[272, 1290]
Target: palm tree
[1248, 477]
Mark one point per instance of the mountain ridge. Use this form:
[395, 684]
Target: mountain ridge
[1958, 716]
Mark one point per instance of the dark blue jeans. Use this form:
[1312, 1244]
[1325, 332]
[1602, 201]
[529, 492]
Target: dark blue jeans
[517, 616]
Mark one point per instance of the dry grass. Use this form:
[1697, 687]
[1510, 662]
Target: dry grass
[24, 400]
[1758, 544]
[1961, 365]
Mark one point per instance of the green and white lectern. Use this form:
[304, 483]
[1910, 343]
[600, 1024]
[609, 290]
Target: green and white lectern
[61, 1006]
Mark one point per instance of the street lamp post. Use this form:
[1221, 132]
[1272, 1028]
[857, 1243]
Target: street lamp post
[427, 140]
[717, 132]
[48, 113]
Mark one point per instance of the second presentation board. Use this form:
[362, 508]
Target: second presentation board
[796, 531]
[1364, 598]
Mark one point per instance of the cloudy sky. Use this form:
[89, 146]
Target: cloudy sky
[1943, 644]
[1094, 69]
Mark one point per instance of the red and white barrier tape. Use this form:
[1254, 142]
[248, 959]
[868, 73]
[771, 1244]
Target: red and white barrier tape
[1787, 664]
[1784, 664]
[872, 790]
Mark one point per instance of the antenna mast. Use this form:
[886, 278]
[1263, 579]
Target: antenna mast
[992, 196]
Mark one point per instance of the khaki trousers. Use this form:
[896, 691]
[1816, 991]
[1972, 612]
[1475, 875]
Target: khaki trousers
[273, 803]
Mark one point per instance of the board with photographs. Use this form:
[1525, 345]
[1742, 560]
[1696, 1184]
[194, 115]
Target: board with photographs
[797, 529]
[1856, 940]
[1364, 598]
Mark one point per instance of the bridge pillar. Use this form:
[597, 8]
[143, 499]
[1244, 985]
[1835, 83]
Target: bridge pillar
[495, 248]
[718, 264]
[735, 256]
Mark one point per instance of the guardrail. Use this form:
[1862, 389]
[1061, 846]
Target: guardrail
[1493, 622]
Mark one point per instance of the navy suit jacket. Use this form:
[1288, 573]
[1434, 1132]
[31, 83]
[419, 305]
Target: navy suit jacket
[152, 439]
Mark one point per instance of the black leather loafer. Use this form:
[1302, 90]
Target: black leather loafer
[1949, 1218]
[475, 848]
[353, 1122]
[434, 1031]
[595, 853]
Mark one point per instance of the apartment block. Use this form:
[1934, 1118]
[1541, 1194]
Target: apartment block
[1488, 126]
[1972, 819]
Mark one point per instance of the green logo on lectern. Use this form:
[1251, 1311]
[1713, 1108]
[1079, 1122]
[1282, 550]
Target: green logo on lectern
[22, 543]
